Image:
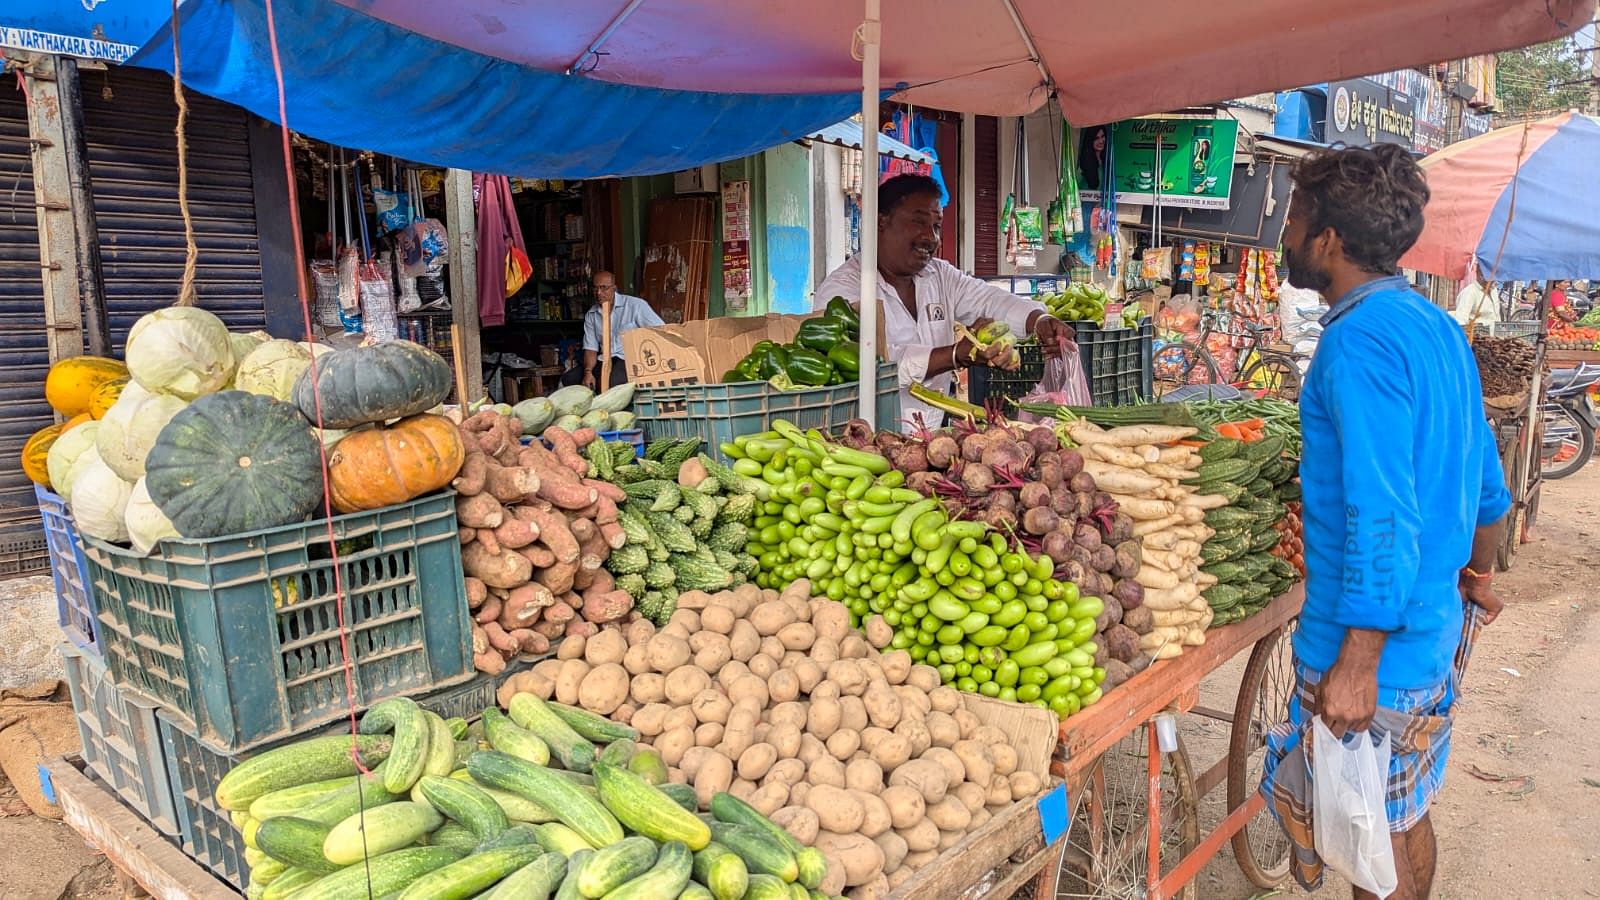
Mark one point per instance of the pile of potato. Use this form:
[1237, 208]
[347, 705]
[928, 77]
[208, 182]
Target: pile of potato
[777, 700]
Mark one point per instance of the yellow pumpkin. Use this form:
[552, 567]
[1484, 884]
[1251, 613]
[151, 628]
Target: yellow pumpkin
[77, 420]
[71, 383]
[378, 467]
[105, 396]
[35, 451]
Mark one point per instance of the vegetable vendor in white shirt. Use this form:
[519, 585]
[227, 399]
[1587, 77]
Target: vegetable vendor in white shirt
[922, 297]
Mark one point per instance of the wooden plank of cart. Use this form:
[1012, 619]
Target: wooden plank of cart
[1135, 830]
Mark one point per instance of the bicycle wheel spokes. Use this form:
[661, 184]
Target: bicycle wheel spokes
[1107, 848]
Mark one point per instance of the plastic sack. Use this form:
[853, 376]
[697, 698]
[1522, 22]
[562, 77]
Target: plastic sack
[325, 283]
[349, 291]
[377, 305]
[1350, 779]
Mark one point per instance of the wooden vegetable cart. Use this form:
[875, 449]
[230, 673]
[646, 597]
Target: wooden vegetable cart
[1135, 831]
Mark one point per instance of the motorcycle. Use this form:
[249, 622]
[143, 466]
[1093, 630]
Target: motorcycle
[1569, 420]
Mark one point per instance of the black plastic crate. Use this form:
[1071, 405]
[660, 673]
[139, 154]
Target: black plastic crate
[1116, 362]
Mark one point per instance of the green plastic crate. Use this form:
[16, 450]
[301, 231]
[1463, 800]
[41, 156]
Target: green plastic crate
[241, 636]
[718, 413]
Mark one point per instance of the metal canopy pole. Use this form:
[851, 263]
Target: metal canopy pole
[871, 37]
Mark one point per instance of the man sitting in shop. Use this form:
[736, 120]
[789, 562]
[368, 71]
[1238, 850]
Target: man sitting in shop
[627, 313]
[922, 297]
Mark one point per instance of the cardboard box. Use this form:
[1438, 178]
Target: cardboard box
[1032, 730]
[702, 351]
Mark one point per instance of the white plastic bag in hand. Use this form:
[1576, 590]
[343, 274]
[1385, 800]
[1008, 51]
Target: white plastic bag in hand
[1350, 779]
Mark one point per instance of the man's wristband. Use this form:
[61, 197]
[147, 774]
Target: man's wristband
[1468, 572]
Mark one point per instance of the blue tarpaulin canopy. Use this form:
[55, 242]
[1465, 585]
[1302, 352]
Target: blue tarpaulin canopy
[357, 81]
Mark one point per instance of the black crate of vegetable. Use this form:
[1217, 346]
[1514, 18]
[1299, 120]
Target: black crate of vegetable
[1116, 362]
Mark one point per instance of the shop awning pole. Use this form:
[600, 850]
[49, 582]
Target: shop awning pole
[870, 35]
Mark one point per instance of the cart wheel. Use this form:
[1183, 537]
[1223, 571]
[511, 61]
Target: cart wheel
[1107, 855]
[1261, 848]
[1517, 482]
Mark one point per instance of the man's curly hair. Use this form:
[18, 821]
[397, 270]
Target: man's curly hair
[1372, 197]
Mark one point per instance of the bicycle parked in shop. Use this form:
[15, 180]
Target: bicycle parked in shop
[1265, 372]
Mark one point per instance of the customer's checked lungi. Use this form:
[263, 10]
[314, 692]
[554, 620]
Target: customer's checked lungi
[1418, 724]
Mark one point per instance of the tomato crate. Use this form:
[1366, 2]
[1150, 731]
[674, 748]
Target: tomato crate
[244, 637]
[121, 744]
[718, 413]
[74, 592]
[1116, 363]
[194, 769]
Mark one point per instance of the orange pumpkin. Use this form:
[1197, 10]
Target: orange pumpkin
[35, 451]
[105, 396]
[72, 382]
[77, 420]
[379, 467]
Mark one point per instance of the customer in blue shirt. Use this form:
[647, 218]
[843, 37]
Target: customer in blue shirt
[1404, 503]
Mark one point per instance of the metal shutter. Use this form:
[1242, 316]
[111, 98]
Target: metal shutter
[128, 117]
[24, 355]
[986, 194]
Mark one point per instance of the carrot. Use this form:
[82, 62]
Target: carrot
[1190, 443]
[1229, 430]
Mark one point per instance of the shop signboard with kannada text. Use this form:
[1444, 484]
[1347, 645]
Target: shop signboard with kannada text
[1194, 171]
[1362, 112]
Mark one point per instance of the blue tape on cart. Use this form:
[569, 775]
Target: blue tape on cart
[47, 785]
[1053, 818]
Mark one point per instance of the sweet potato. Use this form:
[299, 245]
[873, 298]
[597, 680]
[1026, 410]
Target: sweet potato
[527, 602]
[566, 450]
[510, 484]
[555, 533]
[490, 610]
[506, 570]
[539, 555]
[500, 640]
[477, 592]
[479, 511]
[558, 578]
[607, 607]
[605, 490]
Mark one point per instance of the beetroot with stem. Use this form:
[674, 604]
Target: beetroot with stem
[1049, 465]
[1087, 536]
[1129, 593]
[1034, 494]
[1042, 440]
[1071, 464]
[977, 480]
[999, 519]
[1003, 500]
[1004, 453]
[1058, 546]
[1040, 521]
[1104, 558]
[942, 451]
[973, 445]
[909, 457]
[857, 434]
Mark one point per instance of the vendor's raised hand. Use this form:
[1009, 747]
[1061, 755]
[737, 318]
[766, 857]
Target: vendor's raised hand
[1000, 355]
[1052, 333]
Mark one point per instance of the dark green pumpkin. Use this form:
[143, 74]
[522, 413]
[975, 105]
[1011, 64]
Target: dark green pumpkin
[234, 462]
[374, 384]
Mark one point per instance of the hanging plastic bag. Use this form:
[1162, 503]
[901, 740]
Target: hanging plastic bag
[377, 305]
[349, 279]
[1063, 384]
[410, 300]
[394, 209]
[1350, 778]
[325, 284]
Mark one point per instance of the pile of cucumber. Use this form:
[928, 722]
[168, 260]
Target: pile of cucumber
[521, 805]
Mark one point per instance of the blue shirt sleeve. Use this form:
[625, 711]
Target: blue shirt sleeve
[1372, 409]
[646, 316]
[1494, 500]
[591, 329]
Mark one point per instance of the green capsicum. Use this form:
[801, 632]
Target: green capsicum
[846, 359]
[840, 308]
[820, 334]
[770, 359]
[808, 367]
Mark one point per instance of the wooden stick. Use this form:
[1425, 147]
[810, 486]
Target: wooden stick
[605, 347]
[461, 372]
